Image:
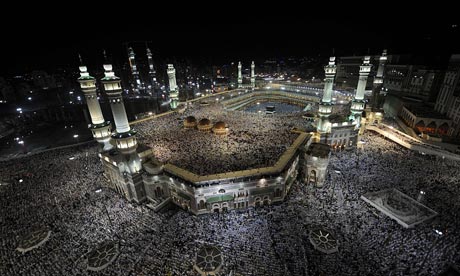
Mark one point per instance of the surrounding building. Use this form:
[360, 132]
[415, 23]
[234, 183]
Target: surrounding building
[448, 101]
[414, 81]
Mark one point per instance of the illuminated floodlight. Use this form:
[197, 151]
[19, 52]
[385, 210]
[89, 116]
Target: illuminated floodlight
[422, 192]
[438, 232]
[98, 190]
[75, 136]
[21, 180]
[21, 142]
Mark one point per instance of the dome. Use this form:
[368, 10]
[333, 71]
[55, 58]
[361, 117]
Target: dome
[204, 122]
[219, 125]
[190, 122]
[190, 119]
[220, 128]
[204, 125]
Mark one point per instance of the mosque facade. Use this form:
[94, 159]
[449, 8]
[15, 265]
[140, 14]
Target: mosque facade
[134, 172]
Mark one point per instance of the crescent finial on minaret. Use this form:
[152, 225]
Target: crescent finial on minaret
[81, 60]
[105, 55]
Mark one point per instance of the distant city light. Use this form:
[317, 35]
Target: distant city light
[29, 98]
[75, 136]
[20, 180]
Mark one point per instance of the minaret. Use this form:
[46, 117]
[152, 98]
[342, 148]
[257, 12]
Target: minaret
[99, 127]
[124, 136]
[357, 105]
[325, 106]
[253, 76]
[173, 90]
[378, 82]
[152, 72]
[132, 64]
[240, 77]
[153, 77]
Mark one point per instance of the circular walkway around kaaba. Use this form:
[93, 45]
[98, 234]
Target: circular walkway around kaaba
[209, 260]
[322, 240]
[103, 255]
[33, 240]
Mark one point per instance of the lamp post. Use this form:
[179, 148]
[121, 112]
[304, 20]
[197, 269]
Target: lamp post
[76, 137]
[21, 142]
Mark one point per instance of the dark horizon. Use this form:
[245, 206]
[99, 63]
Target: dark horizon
[219, 44]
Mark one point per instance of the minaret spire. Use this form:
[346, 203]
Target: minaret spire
[357, 105]
[325, 106]
[253, 76]
[155, 87]
[80, 59]
[240, 77]
[173, 89]
[136, 85]
[105, 56]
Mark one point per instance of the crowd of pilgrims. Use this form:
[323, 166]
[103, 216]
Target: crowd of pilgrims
[57, 191]
[253, 141]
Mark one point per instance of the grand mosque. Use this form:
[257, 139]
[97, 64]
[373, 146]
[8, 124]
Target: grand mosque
[136, 168]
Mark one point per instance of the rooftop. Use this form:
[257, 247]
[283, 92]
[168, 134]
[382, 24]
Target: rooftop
[424, 111]
[319, 150]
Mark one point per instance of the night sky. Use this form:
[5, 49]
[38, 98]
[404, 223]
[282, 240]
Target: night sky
[52, 42]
